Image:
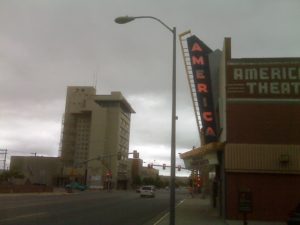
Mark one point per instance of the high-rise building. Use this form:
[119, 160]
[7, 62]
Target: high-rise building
[95, 137]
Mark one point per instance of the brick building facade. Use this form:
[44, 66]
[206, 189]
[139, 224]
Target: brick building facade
[262, 152]
[256, 158]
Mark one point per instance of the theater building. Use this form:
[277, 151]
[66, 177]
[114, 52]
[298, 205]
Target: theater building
[257, 150]
[261, 108]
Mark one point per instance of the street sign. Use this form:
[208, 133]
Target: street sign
[245, 201]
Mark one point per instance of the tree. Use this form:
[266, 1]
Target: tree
[148, 181]
[158, 182]
[137, 181]
[9, 174]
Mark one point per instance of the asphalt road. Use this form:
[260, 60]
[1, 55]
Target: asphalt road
[84, 208]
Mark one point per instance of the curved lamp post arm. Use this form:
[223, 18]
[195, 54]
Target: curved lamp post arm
[127, 19]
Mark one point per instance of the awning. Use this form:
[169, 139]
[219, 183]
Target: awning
[202, 156]
[203, 150]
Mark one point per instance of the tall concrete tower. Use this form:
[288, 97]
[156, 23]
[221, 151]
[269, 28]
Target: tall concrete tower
[95, 137]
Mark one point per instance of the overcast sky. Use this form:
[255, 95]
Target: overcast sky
[47, 45]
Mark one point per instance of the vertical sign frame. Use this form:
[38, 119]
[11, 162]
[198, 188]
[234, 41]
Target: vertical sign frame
[199, 55]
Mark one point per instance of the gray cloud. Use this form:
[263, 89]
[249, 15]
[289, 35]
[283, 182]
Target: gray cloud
[48, 45]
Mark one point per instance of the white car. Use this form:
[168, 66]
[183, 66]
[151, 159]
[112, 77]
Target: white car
[147, 191]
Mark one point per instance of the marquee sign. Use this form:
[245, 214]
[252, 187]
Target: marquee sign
[270, 81]
[200, 65]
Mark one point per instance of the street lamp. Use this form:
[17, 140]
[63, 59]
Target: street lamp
[127, 19]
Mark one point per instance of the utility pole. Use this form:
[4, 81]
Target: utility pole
[3, 152]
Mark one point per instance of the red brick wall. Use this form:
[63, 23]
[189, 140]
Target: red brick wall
[274, 195]
[263, 123]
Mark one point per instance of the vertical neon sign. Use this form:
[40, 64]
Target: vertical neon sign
[200, 65]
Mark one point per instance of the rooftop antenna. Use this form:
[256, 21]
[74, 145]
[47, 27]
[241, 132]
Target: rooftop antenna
[95, 78]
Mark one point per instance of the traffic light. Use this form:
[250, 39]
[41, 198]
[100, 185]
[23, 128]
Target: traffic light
[164, 166]
[179, 168]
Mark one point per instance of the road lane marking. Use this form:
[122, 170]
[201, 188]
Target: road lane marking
[24, 216]
[180, 203]
[161, 219]
[34, 203]
[157, 222]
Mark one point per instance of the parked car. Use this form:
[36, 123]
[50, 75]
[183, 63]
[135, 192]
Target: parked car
[75, 186]
[147, 191]
[294, 218]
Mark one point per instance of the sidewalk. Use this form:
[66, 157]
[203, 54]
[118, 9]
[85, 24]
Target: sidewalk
[252, 222]
[193, 211]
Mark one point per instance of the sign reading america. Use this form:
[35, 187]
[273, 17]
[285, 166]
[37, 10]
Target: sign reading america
[200, 65]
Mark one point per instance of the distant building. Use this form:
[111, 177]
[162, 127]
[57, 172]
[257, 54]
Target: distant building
[135, 166]
[179, 181]
[36, 169]
[149, 172]
[95, 137]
